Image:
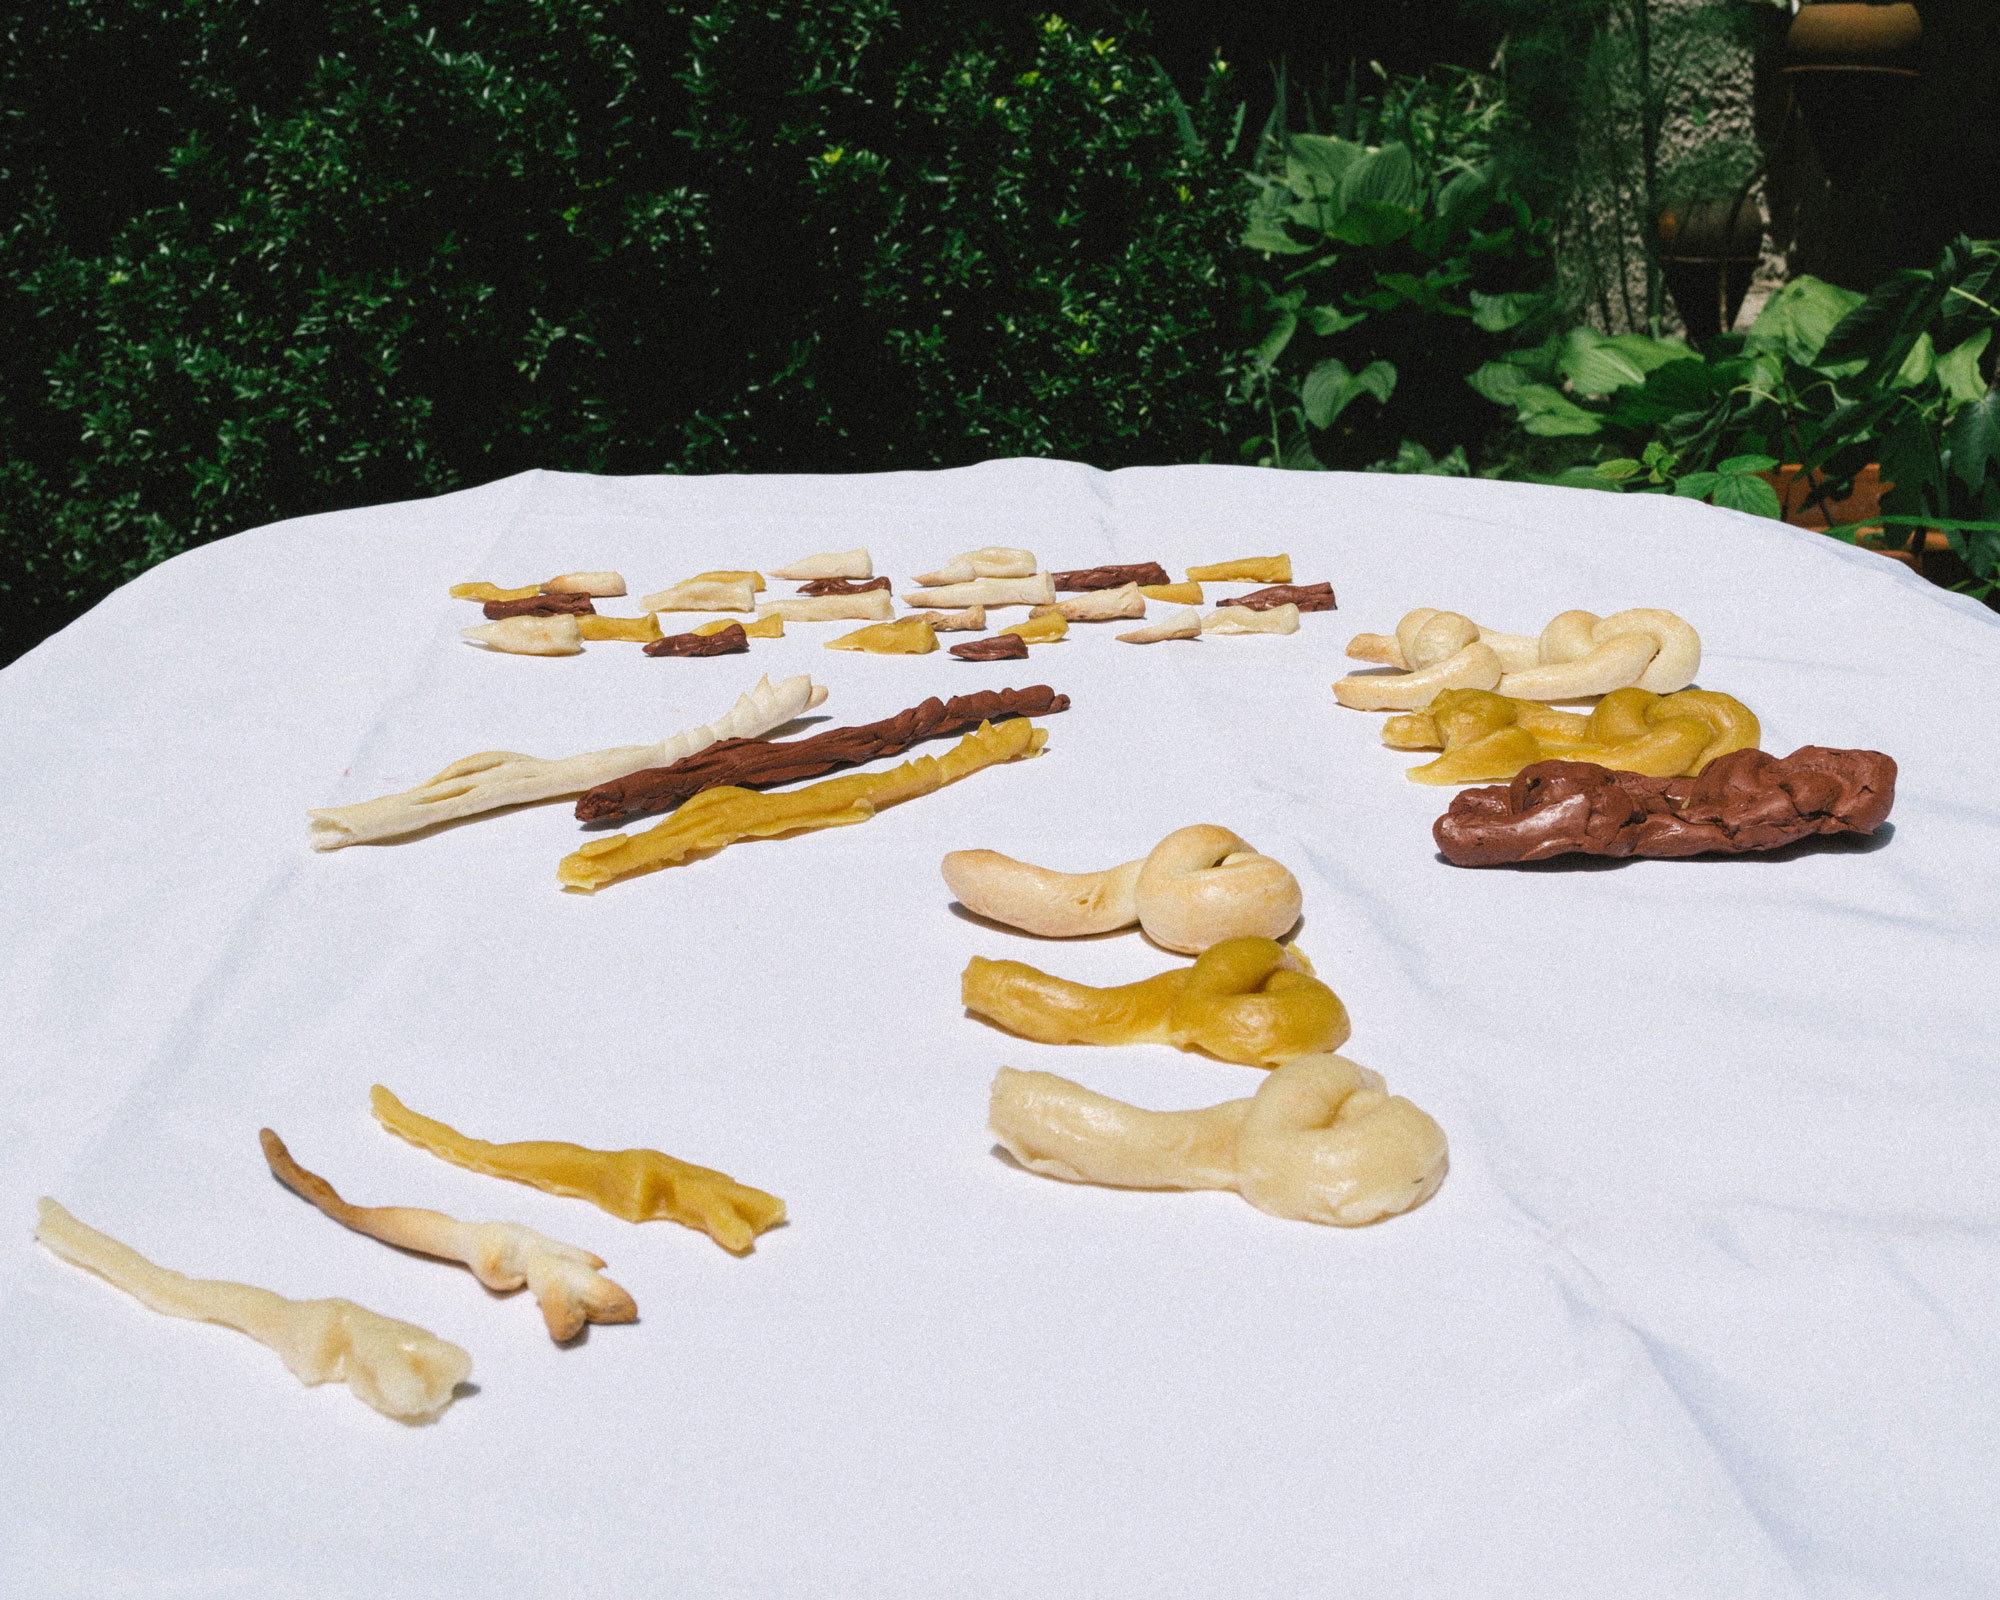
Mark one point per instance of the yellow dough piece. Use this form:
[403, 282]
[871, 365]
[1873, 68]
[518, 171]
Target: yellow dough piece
[1488, 738]
[1248, 1000]
[754, 579]
[762, 628]
[1173, 594]
[398, 1368]
[637, 1185]
[912, 636]
[488, 591]
[1254, 569]
[718, 817]
[633, 630]
[1045, 629]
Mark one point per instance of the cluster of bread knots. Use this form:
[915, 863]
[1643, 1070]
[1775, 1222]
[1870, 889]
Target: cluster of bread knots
[1197, 887]
[1579, 655]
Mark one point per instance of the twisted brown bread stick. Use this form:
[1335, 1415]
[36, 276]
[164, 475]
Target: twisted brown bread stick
[759, 763]
[1085, 578]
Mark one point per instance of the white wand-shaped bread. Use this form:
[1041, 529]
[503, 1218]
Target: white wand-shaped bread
[567, 1282]
[399, 1369]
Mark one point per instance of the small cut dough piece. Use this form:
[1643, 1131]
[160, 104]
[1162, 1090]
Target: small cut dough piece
[487, 591]
[1320, 1141]
[911, 636]
[874, 606]
[971, 620]
[1240, 619]
[1056, 905]
[994, 561]
[529, 636]
[1038, 590]
[400, 1369]
[697, 594]
[762, 628]
[1173, 594]
[1098, 605]
[1182, 625]
[598, 585]
[1255, 569]
[1044, 629]
[754, 579]
[633, 630]
[838, 564]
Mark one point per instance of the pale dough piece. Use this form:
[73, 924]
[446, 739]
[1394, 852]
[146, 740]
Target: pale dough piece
[1320, 1141]
[1474, 667]
[1031, 591]
[401, 1370]
[733, 594]
[754, 579]
[994, 561]
[970, 620]
[838, 564]
[1057, 905]
[1098, 605]
[1182, 625]
[874, 606]
[598, 585]
[502, 778]
[529, 636]
[1241, 619]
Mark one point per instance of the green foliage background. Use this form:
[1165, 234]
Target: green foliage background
[261, 261]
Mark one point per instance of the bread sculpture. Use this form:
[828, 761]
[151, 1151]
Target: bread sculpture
[567, 1283]
[1577, 656]
[1247, 1000]
[497, 778]
[1320, 1141]
[1197, 887]
[399, 1369]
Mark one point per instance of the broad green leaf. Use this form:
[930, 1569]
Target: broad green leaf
[1496, 313]
[1696, 485]
[1464, 200]
[1581, 478]
[1551, 415]
[1745, 491]
[1274, 342]
[1500, 381]
[1268, 233]
[1974, 437]
[1736, 464]
[1618, 470]
[1384, 177]
[1917, 365]
[1595, 366]
[1377, 378]
[1321, 390]
[1366, 223]
[1958, 369]
[1912, 468]
[1327, 160]
[1797, 319]
[1329, 320]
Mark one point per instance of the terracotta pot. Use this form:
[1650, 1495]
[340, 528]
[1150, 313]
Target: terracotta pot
[1862, 501]
[1708, 254]
[1853, 72]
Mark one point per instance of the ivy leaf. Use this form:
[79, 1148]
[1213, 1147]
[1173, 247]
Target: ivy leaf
[1974, 437]
[1917, 365]
[1958, 369]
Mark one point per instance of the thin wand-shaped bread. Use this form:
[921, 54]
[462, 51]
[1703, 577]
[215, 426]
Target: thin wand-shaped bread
[567, 1282]
[400, 1369]
[497, 778]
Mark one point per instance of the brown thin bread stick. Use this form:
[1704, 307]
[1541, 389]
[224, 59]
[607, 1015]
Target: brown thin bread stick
[761, 763]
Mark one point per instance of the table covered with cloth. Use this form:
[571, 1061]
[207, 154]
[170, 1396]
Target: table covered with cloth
[1706, 1305]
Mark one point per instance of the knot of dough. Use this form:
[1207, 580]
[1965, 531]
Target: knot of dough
[1577, 656]
[1248, 1000]
[1487, 738]
[1320, 1141]
[1199, 886]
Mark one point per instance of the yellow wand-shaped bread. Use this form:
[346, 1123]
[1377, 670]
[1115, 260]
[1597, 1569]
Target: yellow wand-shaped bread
[637, 1185]
[718, 817]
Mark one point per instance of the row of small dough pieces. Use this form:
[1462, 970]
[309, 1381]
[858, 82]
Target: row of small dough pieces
[400, 1369]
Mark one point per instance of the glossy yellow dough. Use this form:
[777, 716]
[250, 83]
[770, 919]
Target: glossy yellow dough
[1045, 629]
[912, 636]
[1256, 569]
[637, 1185]
[1248, 1000]
[1488, 738]
[631, 630]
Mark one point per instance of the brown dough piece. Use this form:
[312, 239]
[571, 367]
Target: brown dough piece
[1000, 647]
[724, 641]
[541, 605]
[759, 763]
[1110, 577]
[843, 585]
[1306, 596]
[1746, 800]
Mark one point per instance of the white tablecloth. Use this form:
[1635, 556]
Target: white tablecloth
[1706, 1306]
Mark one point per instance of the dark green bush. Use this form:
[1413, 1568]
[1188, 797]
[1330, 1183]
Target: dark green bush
[261, 261]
